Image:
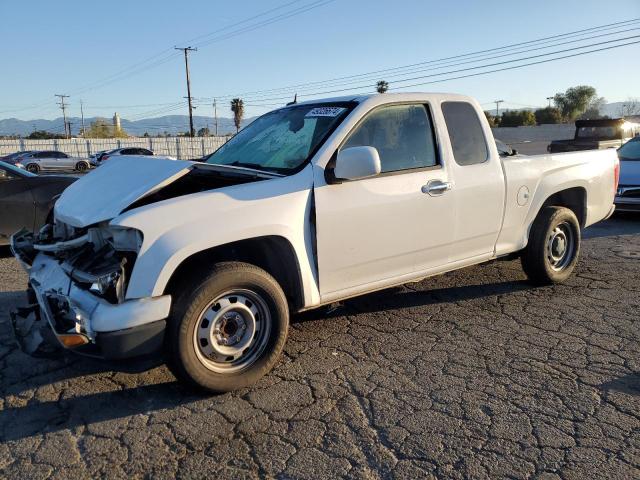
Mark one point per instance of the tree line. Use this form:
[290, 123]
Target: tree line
[581, 102]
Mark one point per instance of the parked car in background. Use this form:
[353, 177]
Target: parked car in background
[94, 159]
[35, 162]
[628, 194]
[122, 151]
[597, 135]
[26, 200]
[12, 158]
[311, 204]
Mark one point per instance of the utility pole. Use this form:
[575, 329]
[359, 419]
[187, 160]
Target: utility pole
[186, 51]
[549, 98]
[215, 115]
[498, 102]
[82, 116]
[64, 112]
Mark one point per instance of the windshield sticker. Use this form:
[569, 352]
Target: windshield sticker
[325, 112]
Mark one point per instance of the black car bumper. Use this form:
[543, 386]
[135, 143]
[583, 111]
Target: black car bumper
[40, 335]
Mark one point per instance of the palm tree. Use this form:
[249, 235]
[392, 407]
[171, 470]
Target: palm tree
[382, 86]
[237, 107]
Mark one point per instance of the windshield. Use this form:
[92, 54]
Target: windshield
[630, 150]
[283, 140]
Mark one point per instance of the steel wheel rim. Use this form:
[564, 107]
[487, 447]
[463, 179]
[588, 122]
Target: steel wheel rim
[560, 246]
[232, 331]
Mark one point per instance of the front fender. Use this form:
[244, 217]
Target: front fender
[178, 228]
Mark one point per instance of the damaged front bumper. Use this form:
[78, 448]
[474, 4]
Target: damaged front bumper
[78, 318]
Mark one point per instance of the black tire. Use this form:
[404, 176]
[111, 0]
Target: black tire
[33, 168]
[81, 167]
[184, 355]
[541, 259]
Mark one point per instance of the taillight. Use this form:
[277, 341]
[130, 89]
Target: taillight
[616, 174]
[104, 157]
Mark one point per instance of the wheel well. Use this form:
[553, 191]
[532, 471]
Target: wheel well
[273, 254]
[575, 199]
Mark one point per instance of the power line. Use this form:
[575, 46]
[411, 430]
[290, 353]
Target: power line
[164, 56]
[524, 65]
[366, 86]
[139, 68]
[549, 39]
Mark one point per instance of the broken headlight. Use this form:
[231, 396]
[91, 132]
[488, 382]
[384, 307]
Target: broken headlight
[110, 285]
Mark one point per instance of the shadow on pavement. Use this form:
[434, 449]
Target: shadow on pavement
[398, 298]
[57, 415]
[629, 384]
[622, 223]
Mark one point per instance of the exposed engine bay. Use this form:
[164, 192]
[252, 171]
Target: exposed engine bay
[100, 258]
[200, 179]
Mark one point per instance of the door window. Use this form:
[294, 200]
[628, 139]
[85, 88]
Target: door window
[465, 132]
[402, 134]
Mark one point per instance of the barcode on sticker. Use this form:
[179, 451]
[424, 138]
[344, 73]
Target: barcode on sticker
[325, 112]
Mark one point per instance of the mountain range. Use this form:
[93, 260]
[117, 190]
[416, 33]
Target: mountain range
[172, 124]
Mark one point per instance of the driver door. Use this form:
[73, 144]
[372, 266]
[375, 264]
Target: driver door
[382, 230]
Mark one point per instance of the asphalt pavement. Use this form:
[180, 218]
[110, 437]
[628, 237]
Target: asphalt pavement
[473, 374]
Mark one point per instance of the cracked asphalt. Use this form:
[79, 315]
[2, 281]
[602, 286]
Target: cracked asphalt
[473, 374]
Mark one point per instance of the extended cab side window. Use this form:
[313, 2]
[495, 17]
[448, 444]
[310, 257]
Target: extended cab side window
[465, 132]
[402, 134]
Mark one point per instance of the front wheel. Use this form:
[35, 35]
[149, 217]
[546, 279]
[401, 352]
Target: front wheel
[81, 167]
[229, 330]
[33, 168]
[554, 245]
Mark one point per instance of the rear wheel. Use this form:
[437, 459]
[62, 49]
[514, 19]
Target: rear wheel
[228, 330]
[33, 168]
[554, 245]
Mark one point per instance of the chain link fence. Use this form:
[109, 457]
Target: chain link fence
[182, 148]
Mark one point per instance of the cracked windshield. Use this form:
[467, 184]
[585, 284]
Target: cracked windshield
[281, 141]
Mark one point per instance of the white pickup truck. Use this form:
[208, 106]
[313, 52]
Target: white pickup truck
[310, 204]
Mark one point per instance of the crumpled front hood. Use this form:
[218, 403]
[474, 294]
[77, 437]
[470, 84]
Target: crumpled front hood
[105, 192]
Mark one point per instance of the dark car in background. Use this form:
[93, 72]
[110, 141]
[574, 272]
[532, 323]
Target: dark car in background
[628, 193]
[26, 200]
[597, 135]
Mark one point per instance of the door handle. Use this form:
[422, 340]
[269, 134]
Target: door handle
[436, 187]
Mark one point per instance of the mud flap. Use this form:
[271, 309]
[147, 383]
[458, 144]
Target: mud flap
[33, 334]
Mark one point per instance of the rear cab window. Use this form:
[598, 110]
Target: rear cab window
[468, 142]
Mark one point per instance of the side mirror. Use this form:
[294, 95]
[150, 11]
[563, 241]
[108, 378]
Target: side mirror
[357, 162]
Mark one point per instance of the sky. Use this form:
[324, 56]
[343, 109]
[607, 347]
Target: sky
[118, 55]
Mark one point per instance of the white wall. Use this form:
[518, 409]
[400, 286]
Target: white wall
[537, 133]
[182, 148]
